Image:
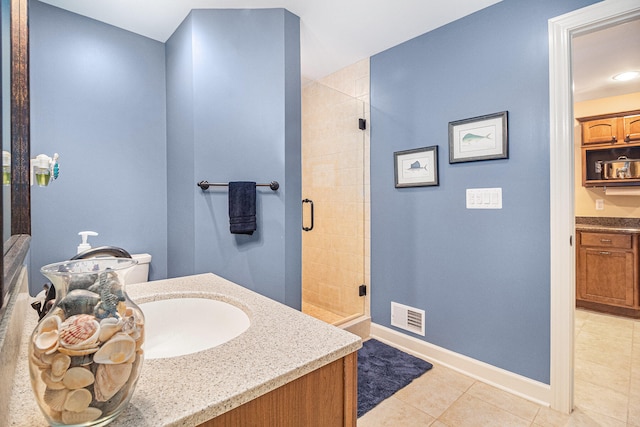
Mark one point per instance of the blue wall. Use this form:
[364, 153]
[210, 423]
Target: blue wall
[234, 85]
[98, 99]
[481, 275]
[134, 142]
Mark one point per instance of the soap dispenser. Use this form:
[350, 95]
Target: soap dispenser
[84, 245]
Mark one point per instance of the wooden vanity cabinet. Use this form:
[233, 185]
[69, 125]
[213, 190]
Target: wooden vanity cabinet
[607, 272]
[326, 397]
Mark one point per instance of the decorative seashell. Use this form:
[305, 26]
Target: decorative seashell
[79, 301]
[47, 341]
[108, 327]
[49, 323]
[78, 377]
[76, 418]
[79, 332]
[55, 398]
[82, 352]
[110, 379]
[36, 358]
[117, 350]
[51, 384]
[78, 400]
[59, 365]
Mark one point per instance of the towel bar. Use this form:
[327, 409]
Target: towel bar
[205, 185]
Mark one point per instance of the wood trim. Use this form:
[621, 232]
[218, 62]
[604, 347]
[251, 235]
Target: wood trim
[351, 390]
[20, 120]
[322, 398]
[608, 116]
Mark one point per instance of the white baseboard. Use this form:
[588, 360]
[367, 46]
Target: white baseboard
[527, 388]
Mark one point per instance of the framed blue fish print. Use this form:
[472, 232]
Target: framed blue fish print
[417, 167]
[479, 138]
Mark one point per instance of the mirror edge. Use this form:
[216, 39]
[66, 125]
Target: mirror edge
[16, 248]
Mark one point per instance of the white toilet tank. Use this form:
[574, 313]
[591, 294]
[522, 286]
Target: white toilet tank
[139, 273]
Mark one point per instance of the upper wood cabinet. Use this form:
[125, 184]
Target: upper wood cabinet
[631, 128]
[601, 131]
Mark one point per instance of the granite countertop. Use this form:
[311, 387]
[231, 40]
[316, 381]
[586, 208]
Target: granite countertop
[608, 224]
[280, 346]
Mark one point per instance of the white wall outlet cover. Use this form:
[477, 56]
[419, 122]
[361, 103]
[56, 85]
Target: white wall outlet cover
[599, 204]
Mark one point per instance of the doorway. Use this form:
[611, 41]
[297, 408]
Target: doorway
[562, 221]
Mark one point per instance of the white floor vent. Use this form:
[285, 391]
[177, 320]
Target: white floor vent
[407, 318]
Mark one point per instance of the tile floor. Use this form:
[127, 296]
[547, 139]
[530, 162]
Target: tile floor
[607, 388]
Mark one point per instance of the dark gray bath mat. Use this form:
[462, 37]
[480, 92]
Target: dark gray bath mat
[382, 371]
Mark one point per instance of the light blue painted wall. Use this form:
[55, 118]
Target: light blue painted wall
[481, 275]
[243, 125]
[180, 171]
[98, 99]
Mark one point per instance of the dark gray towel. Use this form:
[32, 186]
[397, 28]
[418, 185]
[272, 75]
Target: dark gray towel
[242, 207]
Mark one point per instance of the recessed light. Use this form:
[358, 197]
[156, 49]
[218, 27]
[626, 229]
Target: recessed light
[628, 75]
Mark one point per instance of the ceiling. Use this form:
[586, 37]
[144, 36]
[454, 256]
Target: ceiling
[333, 33]
[600, 55]
[338, 33]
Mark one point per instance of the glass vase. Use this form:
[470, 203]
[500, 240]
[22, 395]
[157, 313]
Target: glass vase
[85, 355]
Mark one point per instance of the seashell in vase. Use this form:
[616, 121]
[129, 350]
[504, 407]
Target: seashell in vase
[50, 383]
[110, 379]
[108, 328]
[79, 332]
[59, 365]
[55, 398]
[120, 348]
[76, 418]
[78, 400]
[78, 377]
[47, 342]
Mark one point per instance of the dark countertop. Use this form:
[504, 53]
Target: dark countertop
[608, 224]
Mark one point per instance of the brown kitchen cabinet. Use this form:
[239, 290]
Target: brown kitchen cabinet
[601, 131]
[608, 137]
[607, 272]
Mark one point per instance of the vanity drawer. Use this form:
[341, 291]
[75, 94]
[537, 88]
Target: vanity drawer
[608, 240]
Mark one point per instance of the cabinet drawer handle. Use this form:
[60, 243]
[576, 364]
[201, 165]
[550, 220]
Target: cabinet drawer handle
[605, 240]
[605, 253]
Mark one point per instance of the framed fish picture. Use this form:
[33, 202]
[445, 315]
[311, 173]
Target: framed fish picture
[479, 138]
[417, 167]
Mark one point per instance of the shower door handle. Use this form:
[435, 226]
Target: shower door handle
[310, 203]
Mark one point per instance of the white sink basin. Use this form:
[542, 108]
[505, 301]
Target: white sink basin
[180, 326]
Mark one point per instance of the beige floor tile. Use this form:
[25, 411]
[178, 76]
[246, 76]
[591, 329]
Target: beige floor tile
[469, 411]
[439, 424]
[615, 356]
[602, 375]
[610, 343]
[393, 412]
[592, 398]
[609, 327]
[587, 419]
[547, 417]
[503, 400]
[434, 391]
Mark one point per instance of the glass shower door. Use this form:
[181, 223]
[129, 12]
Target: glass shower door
[333, 247]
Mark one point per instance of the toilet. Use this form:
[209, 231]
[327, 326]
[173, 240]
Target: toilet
[139, 273]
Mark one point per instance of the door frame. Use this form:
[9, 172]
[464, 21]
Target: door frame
[562, 203]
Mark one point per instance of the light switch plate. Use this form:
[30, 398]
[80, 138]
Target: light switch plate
[599, 204]
[484, 198]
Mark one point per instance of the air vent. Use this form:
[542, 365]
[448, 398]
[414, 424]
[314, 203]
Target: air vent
[407, 318]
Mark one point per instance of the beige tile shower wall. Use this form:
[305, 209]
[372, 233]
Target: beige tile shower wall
[335, 175]
[614, 206]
